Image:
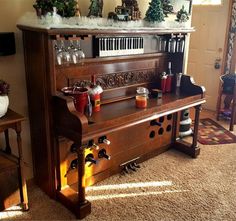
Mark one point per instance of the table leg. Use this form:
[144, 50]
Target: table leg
[23, 187]
[195, 130]
[8, 148]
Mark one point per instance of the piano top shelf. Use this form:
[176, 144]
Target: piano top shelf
[109, 31]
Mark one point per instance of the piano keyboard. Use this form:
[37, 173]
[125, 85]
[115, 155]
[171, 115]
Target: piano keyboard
[117, 46]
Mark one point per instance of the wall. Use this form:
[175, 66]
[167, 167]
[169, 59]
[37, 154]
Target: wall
[12, 67]
[12, 71]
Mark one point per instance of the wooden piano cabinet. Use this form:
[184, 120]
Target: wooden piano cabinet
[134, 134]
[71, 150]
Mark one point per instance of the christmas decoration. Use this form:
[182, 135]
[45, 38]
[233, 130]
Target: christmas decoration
[155, 12]
[133, 9]
[167, 7]
[129, 10]
[182, 15]
[65, 8]
[95, 8]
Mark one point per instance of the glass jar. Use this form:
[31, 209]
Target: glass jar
[141, 100]
[141, 97]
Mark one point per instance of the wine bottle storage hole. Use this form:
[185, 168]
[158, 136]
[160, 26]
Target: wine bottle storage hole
[152, 134]
[161, 131]
[161, 120]
[168, 128]
[169, 116]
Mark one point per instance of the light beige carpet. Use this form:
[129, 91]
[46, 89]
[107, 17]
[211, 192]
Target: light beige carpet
[171, 186]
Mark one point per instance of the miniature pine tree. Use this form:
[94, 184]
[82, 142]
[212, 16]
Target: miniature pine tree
[155, 12]
[65, 8]
[94, 8]
[167, 7]
[182, 15]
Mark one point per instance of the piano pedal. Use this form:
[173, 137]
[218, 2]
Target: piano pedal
[136, 165]
[126, 169]
[131, 167]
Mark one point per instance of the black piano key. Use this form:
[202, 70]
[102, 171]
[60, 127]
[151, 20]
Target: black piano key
[101, 44]
[107, 44]
[116, 44]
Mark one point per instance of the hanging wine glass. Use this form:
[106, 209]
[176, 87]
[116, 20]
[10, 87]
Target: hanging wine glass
[81, 55]
[59, 56]
[65, 54]
[73, 52]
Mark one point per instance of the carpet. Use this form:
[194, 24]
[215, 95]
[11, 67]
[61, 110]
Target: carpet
[169, 187]
[211, 133]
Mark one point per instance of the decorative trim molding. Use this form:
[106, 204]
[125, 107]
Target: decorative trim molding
[114, 80]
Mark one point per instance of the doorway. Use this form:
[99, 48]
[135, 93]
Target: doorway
[207, 47]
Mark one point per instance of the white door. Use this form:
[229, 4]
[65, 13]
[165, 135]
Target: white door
[207, 45]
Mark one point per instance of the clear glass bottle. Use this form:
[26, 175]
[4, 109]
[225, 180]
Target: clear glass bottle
[172, 45]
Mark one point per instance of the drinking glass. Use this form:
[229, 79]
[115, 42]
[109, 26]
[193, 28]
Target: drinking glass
[80, 53]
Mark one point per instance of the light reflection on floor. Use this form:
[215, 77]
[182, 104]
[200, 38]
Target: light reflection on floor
[129, 185]
[123, 195]
[11, 212]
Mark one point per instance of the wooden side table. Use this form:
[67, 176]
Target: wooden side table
[12, 120]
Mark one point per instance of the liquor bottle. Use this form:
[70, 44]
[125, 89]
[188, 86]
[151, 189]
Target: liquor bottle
[169, 78]
[95, 92]
[104, 140]
[155, 123]
[172, 45]
[90, 158]
[74, 164]
[103, 154]
[74, 148]
[92, 145]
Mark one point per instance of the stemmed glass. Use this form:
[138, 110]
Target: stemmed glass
[70, 53]
[62, 53]
[80, 52]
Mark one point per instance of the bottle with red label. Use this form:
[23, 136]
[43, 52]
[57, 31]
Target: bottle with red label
[95, 92]
[169, 79]
[163, 82]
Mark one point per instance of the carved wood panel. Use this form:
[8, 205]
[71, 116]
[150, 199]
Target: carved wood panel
[121, 79]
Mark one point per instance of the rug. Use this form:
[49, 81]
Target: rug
[211, 133]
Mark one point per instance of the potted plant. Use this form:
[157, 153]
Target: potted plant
[65, 8]
[4, 101]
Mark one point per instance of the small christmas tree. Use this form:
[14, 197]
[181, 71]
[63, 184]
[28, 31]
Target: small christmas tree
[167, 7]
[182, 15]
[95, 8]
[155, 12]
[65, 8]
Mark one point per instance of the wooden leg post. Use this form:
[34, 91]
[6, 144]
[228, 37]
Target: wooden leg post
[195, 148]
[22, 181]
[84, 206]
[8, 148]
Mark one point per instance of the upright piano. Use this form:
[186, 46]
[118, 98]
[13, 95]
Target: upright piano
[72, 150]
